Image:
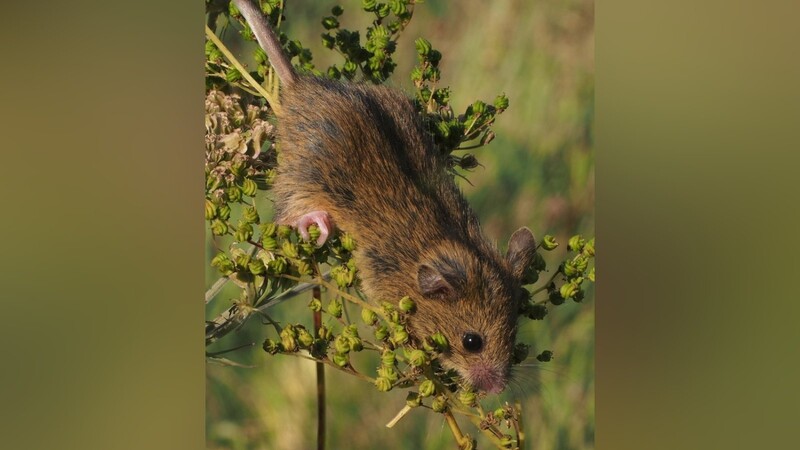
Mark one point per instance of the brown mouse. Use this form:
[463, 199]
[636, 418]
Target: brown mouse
[358, 156]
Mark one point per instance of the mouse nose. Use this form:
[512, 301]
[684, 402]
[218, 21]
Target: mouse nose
[487, 378]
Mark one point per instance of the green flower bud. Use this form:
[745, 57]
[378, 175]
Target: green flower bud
[381, 333]
[417, 358]
[569, 269]
[234, 194]
[500, 414]
[398, 7]
[257, 267]
[349, 67]
[368, 316]
[249, 187]
[520, 353]
[324, 333]
[284, 231]
[232, 75]
[314, 232]
[328, 41]
[315, 304]
[333, 71]
[289, 339]
[591, 275]
[439, 404]
[413, 399]
[335, 308]
[383, 384]
[468, 398]
[271, 347]
[545, 356]
[303, 268]
[250, 215]
[211, 209]
[304, 337]
[576, 243]
[407, 305]
[423, 46]
[382, 10]
[337, 10]
[289, 250]
[330, 23]
[224, 211]
[340, 360]
[501, 102]
[478, 108]
[427, 388]
[356, 344]
[350, 331]
[218, 227]
[388, 358]
[549, 242]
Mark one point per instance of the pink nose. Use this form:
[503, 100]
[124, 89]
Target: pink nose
[487, 378]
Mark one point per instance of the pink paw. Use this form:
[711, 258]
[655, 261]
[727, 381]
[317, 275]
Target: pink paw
[323, 221]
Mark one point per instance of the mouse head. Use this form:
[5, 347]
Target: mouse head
[473, 299]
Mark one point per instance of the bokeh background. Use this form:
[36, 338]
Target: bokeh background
[538, 172]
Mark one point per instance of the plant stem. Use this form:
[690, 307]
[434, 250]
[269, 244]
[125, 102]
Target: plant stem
[317, 294]
[451, 422]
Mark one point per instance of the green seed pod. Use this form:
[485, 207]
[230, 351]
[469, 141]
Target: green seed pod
[348, 243]
[568, 290]
[340, 360]
[211, 209]
[576, 243]
[417, 358]
[341, 344]
[369, 5]
[423, 46]
[507, 441]
[536, 312]
[269, 243]
[545, 356]
[368, 316]
[500, 413]
[478, 108]
[440, 341]
[304, 337]
[350, 330]
[399, 336]
[277, 266]
[330, 23]
[315, 305]
[383, 384]
[268, 229]
[413, 399]
[520, 353]
[325, 333]
[257, 267]
[388, 358]
[218, 227]
[427, 388]
[335, 308]
[271, 347]
[222, 262]
[250, 215]
[556, 298]
[356, 344]
[581, 263]
[349, 67]
[382, 10]
[232, 75]
[234, 194]
[289, 339]
[284, 231]
[381, 333]
[439, 404]
[591, 275]
[468, 398]
[243, 233]
[588, 248]
[388, 372]
[314, 233]
[303, 268]
[549, 242]
[538, 263]
[398, 7]
[249, 188]
[337, 10]
[224, 211]
[289, 250]
[334, 73]
[328, 41]
[501, 102]
[407, 305]
[570, 270]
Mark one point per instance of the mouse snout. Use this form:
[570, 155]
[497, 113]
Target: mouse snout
[487, 378]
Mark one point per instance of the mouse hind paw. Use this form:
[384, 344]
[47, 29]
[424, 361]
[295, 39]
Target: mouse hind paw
[322, 219]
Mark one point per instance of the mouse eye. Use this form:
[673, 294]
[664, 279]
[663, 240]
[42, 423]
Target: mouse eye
[472, 342]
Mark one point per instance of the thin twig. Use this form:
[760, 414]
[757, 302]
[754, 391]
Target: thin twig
[317, 294]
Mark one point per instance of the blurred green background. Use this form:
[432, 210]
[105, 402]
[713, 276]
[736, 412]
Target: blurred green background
[538, 172]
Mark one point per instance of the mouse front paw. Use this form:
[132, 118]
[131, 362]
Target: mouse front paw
[321, 219]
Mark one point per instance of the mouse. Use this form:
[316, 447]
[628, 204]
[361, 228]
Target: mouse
[356, 157]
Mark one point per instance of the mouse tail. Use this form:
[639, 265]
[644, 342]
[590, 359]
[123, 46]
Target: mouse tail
[268, 41]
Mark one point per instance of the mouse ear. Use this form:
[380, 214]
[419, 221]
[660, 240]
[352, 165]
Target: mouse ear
[521, 250]
[440, 284]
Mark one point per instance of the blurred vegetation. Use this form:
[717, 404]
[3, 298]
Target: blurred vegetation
[538, 172]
